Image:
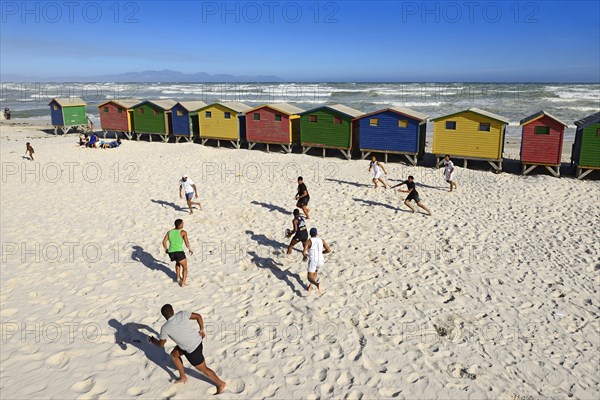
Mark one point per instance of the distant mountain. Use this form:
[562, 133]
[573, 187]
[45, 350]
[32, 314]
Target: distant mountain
[146, 76]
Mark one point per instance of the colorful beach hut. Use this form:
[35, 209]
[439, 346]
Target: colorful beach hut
[153, 117]
[541, 142]
[67, 113]
[185, 122]
[472, 134]
[273, 124]
[117, 116]
[223, 121]
[395, 130]
[586, 148]
[329, 127]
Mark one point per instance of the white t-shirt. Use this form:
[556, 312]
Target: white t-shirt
[376, 169]
[315, 253]
[449, 170]
[187, 185]
[183, 331]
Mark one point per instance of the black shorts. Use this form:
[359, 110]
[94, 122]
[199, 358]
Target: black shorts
[414, 197]
[177, 256]
[301, 236]
[195, 357]
[303, 201]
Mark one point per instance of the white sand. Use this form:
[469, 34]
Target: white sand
[506, 271]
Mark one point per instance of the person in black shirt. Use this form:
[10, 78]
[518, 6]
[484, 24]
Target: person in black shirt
[302, 197]
[412, 194]
[299, 233]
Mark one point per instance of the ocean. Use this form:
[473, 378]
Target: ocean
[568, 102]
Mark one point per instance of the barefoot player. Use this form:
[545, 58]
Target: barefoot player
[412, 194]
[175, 239]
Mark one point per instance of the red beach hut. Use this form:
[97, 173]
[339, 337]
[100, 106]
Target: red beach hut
[541, 142]
[273, 124]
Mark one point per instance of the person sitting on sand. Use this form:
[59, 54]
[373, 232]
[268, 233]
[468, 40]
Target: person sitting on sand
[176, 238]
[299, 229]
[83, 139]
[29, 149]
[377, 168]
[412, 194]
[449, 172]
[314, 248]
[183, 331]
[93, 141]
[303, 197]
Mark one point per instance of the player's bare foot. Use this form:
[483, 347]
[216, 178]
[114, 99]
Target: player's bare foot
[181, 380]
[309, 288]
[221, 389]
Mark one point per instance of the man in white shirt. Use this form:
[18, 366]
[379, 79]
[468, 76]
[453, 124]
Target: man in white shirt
[314, 248]
[449, 172]
[377, 168]
[182, 329]
[187, 185]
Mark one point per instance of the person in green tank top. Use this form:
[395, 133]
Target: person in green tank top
[173, 244]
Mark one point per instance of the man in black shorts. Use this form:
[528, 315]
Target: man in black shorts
[302, 197]
[412, 194]
[182, 330]
[299, 233]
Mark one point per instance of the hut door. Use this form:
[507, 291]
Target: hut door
[169, 125]
[195, 125]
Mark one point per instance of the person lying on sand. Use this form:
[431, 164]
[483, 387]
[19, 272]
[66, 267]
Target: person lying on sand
[314, 248]
[182, 330]
[111, 145]
[299, 232]
[412, 194]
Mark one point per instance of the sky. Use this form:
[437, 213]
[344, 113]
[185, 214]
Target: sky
[395, 41]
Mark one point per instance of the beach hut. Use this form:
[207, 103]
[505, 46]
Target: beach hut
[329, 127]
[153, 117]
[395, 130]
[185, 120]
[117, 116]
[67, 113]
[273, 124]
[223, 121]
[471, 134]
[586, 148]
[541, 142]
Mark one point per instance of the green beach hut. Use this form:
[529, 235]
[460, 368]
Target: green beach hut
[67, 113]
[586, 148]
[153, 118]
[329, 127]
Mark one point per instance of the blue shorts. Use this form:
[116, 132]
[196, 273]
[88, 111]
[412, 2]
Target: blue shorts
[189, 196]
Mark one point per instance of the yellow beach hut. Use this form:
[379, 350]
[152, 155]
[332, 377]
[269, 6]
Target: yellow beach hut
[472, 134]
[223, 121]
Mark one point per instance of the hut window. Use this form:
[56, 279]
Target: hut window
[484, 126]
[208, 114]
[179, 113]
[227, 115]
[374, 121]
[402, 123]
[277, 117]
[256, 116]
[140, 111]
[451, 125]
[312, 118]
[154, 112]
[55, 107]
[120, 110]
[337, 120]
[105, 109]
[542, 130]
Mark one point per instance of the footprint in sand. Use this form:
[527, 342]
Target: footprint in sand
[293, 364]
[269, 391]
[389, 392]
[326, 390]
[236, 386]
[321, 355]
[293, 380]
[58, 360]
[354, 395]
[136, 391]
[320, 375]
[84, 386]
[345, 378]
[264, 373]
[170, 392]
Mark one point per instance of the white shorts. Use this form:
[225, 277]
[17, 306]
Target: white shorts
[377, 175]
[314, 266]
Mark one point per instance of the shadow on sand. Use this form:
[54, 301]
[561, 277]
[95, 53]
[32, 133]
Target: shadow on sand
[271, 207]
[148, 260]
[273, 266]
[163, 203]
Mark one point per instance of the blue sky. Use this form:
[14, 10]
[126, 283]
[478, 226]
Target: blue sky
[550, 41]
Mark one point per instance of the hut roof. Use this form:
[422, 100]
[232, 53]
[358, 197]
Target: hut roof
[192, 105]
[165, 104]
[476, 111]
[537, 116]
[349, 111]
[284, 108]
[125, 103]
[400, 110]
[587, 121]
[233, 105]
[68, 101]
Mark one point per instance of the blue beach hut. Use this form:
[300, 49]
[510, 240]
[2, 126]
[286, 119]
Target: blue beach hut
[185, 122]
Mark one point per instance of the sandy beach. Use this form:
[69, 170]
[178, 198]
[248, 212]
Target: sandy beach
[495, 296]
